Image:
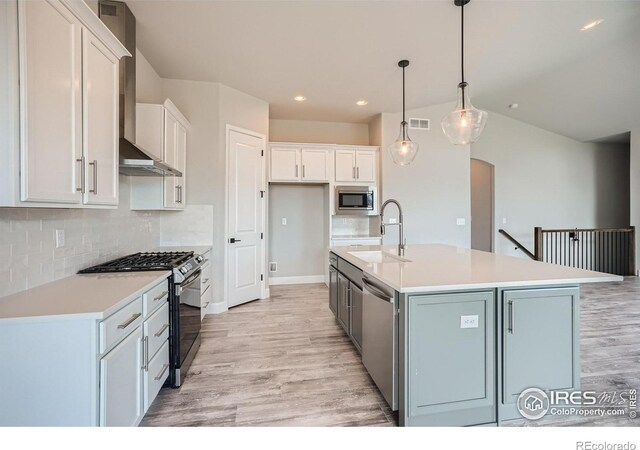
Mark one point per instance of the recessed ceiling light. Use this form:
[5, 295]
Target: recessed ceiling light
[362, 102]
[591, 25]
[513, 105]
[299, 98]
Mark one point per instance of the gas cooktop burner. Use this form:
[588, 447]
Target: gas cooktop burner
[143, 262]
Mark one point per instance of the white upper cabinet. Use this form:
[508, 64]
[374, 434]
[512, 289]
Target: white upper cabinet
[51, 98]
[100, 119]
[322, 163]
[315, 164]
[61, 130]
[366, 167]
[161, 131]
[356, 165]
[285, 164]
[345, 165]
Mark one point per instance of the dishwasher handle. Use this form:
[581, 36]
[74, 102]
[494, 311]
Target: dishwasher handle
[376, 291]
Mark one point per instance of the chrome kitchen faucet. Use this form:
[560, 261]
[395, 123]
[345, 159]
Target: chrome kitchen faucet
[402, 244]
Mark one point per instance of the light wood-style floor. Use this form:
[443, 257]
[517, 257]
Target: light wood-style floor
[284, 361]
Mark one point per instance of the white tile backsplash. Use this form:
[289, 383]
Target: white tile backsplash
[192, 226]
[28, 256]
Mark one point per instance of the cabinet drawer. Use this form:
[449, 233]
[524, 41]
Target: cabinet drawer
[205, 280]
[350, 271]
[155, 375]
[155, 297]
[120, 324]
[206, 298]
[156, 330]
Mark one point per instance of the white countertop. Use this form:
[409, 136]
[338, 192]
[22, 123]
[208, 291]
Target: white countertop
[197, 249]
[438, 267]
[90, 296]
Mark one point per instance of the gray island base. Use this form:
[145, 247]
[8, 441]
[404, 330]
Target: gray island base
[452, 336]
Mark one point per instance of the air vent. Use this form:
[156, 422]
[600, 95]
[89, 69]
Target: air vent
[273, 267]
[108, 10]
[419, 124]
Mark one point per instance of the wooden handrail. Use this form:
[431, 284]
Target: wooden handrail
[518, 245]
[586, 230]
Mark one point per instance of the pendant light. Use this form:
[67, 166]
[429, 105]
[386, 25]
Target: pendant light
[403, 151]
[465, 123]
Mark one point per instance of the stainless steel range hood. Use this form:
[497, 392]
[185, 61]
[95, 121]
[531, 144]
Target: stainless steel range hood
[133, 160]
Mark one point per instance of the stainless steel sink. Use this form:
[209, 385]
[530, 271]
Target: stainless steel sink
[378, 257]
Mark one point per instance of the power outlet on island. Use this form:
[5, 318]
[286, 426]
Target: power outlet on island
[469, 321]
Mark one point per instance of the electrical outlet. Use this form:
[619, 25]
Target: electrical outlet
[469, 321]
[59, 238]
[504, 221]
[393, 220]
[273, 267]
[284, 221]
[460, 221]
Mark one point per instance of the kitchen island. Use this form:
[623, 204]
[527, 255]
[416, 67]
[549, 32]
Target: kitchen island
[452, 336]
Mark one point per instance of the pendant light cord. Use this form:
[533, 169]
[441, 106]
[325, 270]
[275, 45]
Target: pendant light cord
[404, 122]
[463, 84]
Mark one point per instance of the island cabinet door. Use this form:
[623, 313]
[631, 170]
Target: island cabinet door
[449, 370]
[540, 340]
[356, 315]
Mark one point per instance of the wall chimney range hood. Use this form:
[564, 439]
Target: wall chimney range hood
[134, 160]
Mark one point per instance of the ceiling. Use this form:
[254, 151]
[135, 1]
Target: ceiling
[584, 85]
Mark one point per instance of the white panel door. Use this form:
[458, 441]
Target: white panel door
[315, 165]
[50, 98]
[100, 122]
[121, 383]
[345, 165]
[366, 166]
[245, 255]
[285, 164]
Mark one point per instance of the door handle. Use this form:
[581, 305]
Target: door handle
[94, 163]
[82, 172]
[511, 317]
[234, 240]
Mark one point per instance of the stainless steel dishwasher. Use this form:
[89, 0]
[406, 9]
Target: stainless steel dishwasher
[380, 338]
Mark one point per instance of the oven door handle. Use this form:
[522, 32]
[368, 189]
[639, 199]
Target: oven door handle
[192, 279]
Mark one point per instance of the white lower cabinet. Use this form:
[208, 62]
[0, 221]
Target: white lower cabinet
[121, 384]
[156, 373]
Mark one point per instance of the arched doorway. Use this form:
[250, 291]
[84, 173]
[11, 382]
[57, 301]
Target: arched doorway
[482, 205]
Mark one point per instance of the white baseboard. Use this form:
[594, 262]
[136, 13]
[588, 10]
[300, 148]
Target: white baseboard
[296, 280]
[217, 308]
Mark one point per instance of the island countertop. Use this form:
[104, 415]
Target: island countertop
[439, 267]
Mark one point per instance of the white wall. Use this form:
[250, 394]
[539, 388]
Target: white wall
[209, 107]
[434, 189]
[148, 82]
[634, 190]
[298, 247]
[318, 132]
[544, 179]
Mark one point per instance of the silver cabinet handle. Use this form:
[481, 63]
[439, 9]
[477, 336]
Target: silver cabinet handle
[354, 173]
[161, 330]
[94, 163]
[146, 353]
[132, 319]
[164, 369]
[511, 317]
[161, 296]
[82, 172]
[296, 171]
[303, 175]
[181, 196]
[176, 194]
[357, 173]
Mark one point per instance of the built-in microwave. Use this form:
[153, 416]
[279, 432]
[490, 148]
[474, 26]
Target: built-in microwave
[359, 200]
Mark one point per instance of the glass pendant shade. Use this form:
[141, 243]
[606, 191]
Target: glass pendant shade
[465, 123]
[403, 151]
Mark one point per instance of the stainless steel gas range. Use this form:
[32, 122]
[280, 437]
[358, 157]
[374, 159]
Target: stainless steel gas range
[184, 301]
